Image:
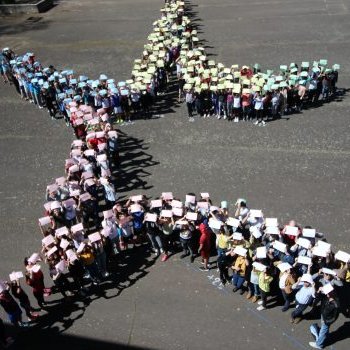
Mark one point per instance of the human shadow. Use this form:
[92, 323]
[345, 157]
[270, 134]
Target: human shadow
[131, 173]
[339, 96]
[342, 333]
[40, 339]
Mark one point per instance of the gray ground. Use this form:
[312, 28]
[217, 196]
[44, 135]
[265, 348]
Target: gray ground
[293, 168]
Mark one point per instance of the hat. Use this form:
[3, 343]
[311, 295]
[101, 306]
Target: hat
[306, 277]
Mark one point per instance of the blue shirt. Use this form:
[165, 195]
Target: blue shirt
[305, 295]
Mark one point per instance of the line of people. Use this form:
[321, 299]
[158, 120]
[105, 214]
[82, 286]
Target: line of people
[257, 255]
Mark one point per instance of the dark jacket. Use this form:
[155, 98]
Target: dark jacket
[329, 310]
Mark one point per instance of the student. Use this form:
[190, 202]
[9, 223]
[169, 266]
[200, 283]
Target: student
[239, 272]
[18, 292]
[265, 280]
[286, 281]
[303, 298]
[10, 306]
[259, 108]
[329, 314]
[204, 245]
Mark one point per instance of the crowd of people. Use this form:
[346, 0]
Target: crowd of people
[173, 51]
[86, 226]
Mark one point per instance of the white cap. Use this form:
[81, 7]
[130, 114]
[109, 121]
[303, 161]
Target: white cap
[306, 277]
[328, 271]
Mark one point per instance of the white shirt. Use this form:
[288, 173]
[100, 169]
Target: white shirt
[282, 282]
[236, 102]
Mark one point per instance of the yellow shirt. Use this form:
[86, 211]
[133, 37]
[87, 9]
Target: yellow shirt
[222, 241]
[347, 276]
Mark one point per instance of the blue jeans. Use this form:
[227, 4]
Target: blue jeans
[254, 289]
[322, 333]
[237, 280]
[299, 309]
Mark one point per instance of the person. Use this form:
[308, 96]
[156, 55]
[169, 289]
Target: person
[265, 280]
[10, 306]
[329, 314]
[258, 107]
[35, 279]
[18, 292]
[239, 271]
[189, 98]
[186, 240]
[87, 257]
[153, 233]
[286, 281]
[304, 296]
[204, 245]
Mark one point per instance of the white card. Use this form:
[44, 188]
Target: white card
[151, 217]
[305, 260]
[166, 213]
[261, 252]
[192, 216]
[280, 246]
[291, 230]
[342, 256]
[259, 266]
[215, 224]
[255, 213]
[95, 237]
[272, 230]
[190, 199]
[156, 203]
[271, 222]
[178, 211]
[240, 251]
[48, 240]
[303, 242]
[309, 232]
[233, 222]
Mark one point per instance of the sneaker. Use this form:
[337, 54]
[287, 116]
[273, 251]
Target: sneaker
[236, 120]
[164, 257]
[260, 308]
[260, 302]
[219, 116]
[202, 268]
[254, 299]
[314, 345]
[24, 324]
[256, 123]
[183, 256]
[192, 258]
[249, 295]
[263, 123]
[234, 290]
